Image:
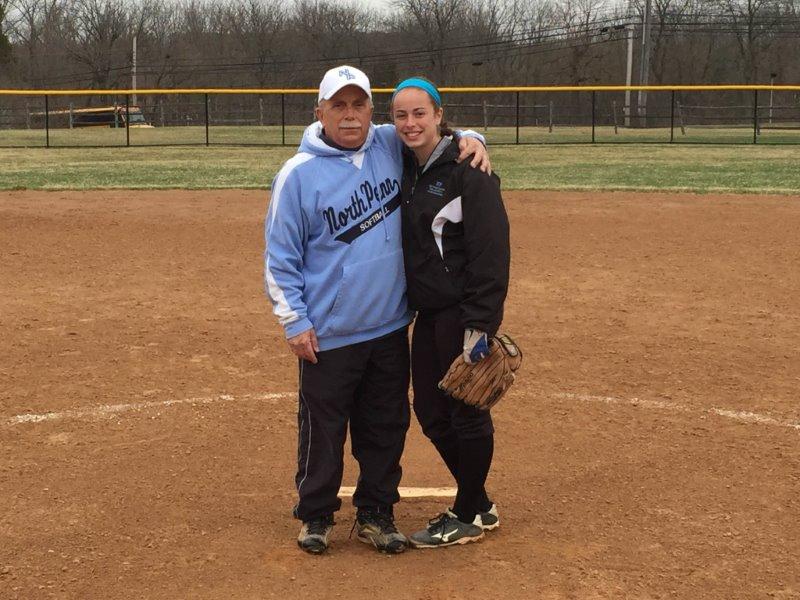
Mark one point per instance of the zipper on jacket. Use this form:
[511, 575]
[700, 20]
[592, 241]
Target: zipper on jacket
[420, 170]
[416, 180]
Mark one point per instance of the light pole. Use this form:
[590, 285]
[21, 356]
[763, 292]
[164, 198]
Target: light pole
[628, 73]
[644, 66]
[133, 71]
[772, 77]
[628, 29]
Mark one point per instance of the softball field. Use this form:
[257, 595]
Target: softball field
[649, 449]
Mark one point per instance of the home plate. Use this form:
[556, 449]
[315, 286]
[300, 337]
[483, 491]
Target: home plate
[410, 492]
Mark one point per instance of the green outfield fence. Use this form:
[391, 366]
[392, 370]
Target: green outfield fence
[690, 114]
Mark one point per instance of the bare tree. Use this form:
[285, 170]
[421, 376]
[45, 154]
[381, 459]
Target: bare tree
[435, 21]
[752, 21]
[264, 43]
[38, 33]
[577, 18]
[99, 37]
[668, 15]
[158, 40]
[490, 23]
[327, 31]
[5, 25]
[258, 30]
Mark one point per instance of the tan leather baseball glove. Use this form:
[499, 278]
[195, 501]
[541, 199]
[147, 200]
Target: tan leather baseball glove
[483, 384]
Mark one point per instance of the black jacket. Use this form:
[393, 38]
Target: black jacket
[455, 238]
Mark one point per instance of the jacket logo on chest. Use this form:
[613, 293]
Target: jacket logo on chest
[437, 189]
[368, 206]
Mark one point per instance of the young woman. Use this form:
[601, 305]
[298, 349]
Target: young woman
[456, 252]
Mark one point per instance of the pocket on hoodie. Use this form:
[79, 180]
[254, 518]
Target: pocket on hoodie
[372, 293]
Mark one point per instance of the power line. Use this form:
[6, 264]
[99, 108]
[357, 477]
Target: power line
[518, 44]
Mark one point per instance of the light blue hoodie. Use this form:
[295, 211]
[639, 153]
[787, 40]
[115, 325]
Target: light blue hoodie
[333, 258]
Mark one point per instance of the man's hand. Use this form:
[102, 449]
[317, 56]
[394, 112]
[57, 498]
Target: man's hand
[305, 345]
[470, 145]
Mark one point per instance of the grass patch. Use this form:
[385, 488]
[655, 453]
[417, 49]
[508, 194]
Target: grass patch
[141, 168]
[698, 166]
[740, 169]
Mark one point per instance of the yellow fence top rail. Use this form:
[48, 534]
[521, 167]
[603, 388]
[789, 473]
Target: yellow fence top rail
[307, 91]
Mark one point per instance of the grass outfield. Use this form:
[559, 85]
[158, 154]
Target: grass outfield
[700, 167]
[273, 135]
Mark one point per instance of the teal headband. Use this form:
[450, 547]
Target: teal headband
[421, 84]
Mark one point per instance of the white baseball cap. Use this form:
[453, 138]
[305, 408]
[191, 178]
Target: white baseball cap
[340, 77]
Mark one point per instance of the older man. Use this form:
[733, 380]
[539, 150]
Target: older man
[334, 273]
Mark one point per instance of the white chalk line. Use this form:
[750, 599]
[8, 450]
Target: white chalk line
[409, 492]
[735, 415]
[112, 409]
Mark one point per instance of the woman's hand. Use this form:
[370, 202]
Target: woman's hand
[476, 346]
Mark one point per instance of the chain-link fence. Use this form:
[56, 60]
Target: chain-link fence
[515, 116]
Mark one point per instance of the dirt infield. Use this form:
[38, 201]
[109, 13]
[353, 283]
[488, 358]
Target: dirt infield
[651, 448]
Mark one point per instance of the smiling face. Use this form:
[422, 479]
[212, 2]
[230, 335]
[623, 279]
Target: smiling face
[346, 116]
[417, 121]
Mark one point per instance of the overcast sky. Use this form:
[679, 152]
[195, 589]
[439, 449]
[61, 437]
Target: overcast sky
[380, 4]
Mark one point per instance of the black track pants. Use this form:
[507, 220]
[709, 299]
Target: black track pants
[365, 385]
[437, 339]
[462, 434]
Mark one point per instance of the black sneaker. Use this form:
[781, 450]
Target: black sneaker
[446, 530]
[376, 527]
[314, 534]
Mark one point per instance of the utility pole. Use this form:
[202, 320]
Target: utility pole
[644, 66]
[772, 77]
[133, 72]
[628, 73]
[628, 29]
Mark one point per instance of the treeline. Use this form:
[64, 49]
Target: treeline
[275, 43]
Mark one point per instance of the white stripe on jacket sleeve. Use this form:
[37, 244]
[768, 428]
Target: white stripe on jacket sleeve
[281, 306]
